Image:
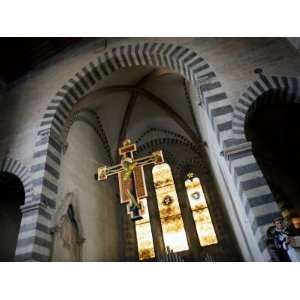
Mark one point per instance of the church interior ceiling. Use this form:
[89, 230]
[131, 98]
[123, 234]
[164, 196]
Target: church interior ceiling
[125, 107]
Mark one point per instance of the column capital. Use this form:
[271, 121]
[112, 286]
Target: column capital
[31, 206]
[236, 150]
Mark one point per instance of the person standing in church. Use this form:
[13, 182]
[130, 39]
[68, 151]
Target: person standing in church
[281, 240]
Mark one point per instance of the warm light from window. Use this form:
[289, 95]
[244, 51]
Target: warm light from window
[169, 210]
[144, 234]
[201, 215]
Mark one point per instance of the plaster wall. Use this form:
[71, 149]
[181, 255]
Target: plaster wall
[96, 204]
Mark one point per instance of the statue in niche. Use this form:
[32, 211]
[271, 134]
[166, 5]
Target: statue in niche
[67, 233]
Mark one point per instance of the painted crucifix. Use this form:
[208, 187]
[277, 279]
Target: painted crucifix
[131, 177]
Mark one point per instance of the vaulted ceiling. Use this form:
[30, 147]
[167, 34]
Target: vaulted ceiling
[142, 103]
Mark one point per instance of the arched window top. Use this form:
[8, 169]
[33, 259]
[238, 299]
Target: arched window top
[163, 166]
[192, 183]
[195, 192]
[67, 230]
[162, 175]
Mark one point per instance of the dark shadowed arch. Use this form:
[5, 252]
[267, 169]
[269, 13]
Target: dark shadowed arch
[12, 197]
[258, 200]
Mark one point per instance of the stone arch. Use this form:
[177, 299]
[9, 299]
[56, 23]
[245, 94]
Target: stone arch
[69, 199]
[173, 139]
[163, 133]
[17, 168]
[153, 138]
[49, 145]
[177, 58]
[255, 194]
[166, 141]
[267, 88]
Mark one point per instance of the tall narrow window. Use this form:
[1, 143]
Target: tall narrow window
[201, 215]
[169, 210]
[144, 235]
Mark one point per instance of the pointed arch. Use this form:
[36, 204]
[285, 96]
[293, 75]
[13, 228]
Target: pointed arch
[68, 213]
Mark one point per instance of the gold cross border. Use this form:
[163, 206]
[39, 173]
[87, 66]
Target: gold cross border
[155, 158]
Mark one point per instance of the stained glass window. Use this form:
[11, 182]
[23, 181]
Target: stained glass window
[201, 215]
[171, 220]
[144, 234]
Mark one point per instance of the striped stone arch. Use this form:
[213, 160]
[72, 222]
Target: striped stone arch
[161, 135]
[16, 168]
[177, 58]
[155, 138]
[162, 143]
[264, 90]
[50, 143]
[158, 142]
[255, 194]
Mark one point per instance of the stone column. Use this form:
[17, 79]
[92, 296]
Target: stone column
[255, 194]
[34, 240]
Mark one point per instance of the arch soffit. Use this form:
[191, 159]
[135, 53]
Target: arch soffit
[177, 58]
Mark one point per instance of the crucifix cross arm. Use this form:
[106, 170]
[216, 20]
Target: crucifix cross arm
[105, 171]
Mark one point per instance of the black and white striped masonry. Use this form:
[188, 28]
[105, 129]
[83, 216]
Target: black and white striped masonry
[30, 225]
[163, 136]
[49, 145]
[260, 205]
[18, 169]
[264, 90]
